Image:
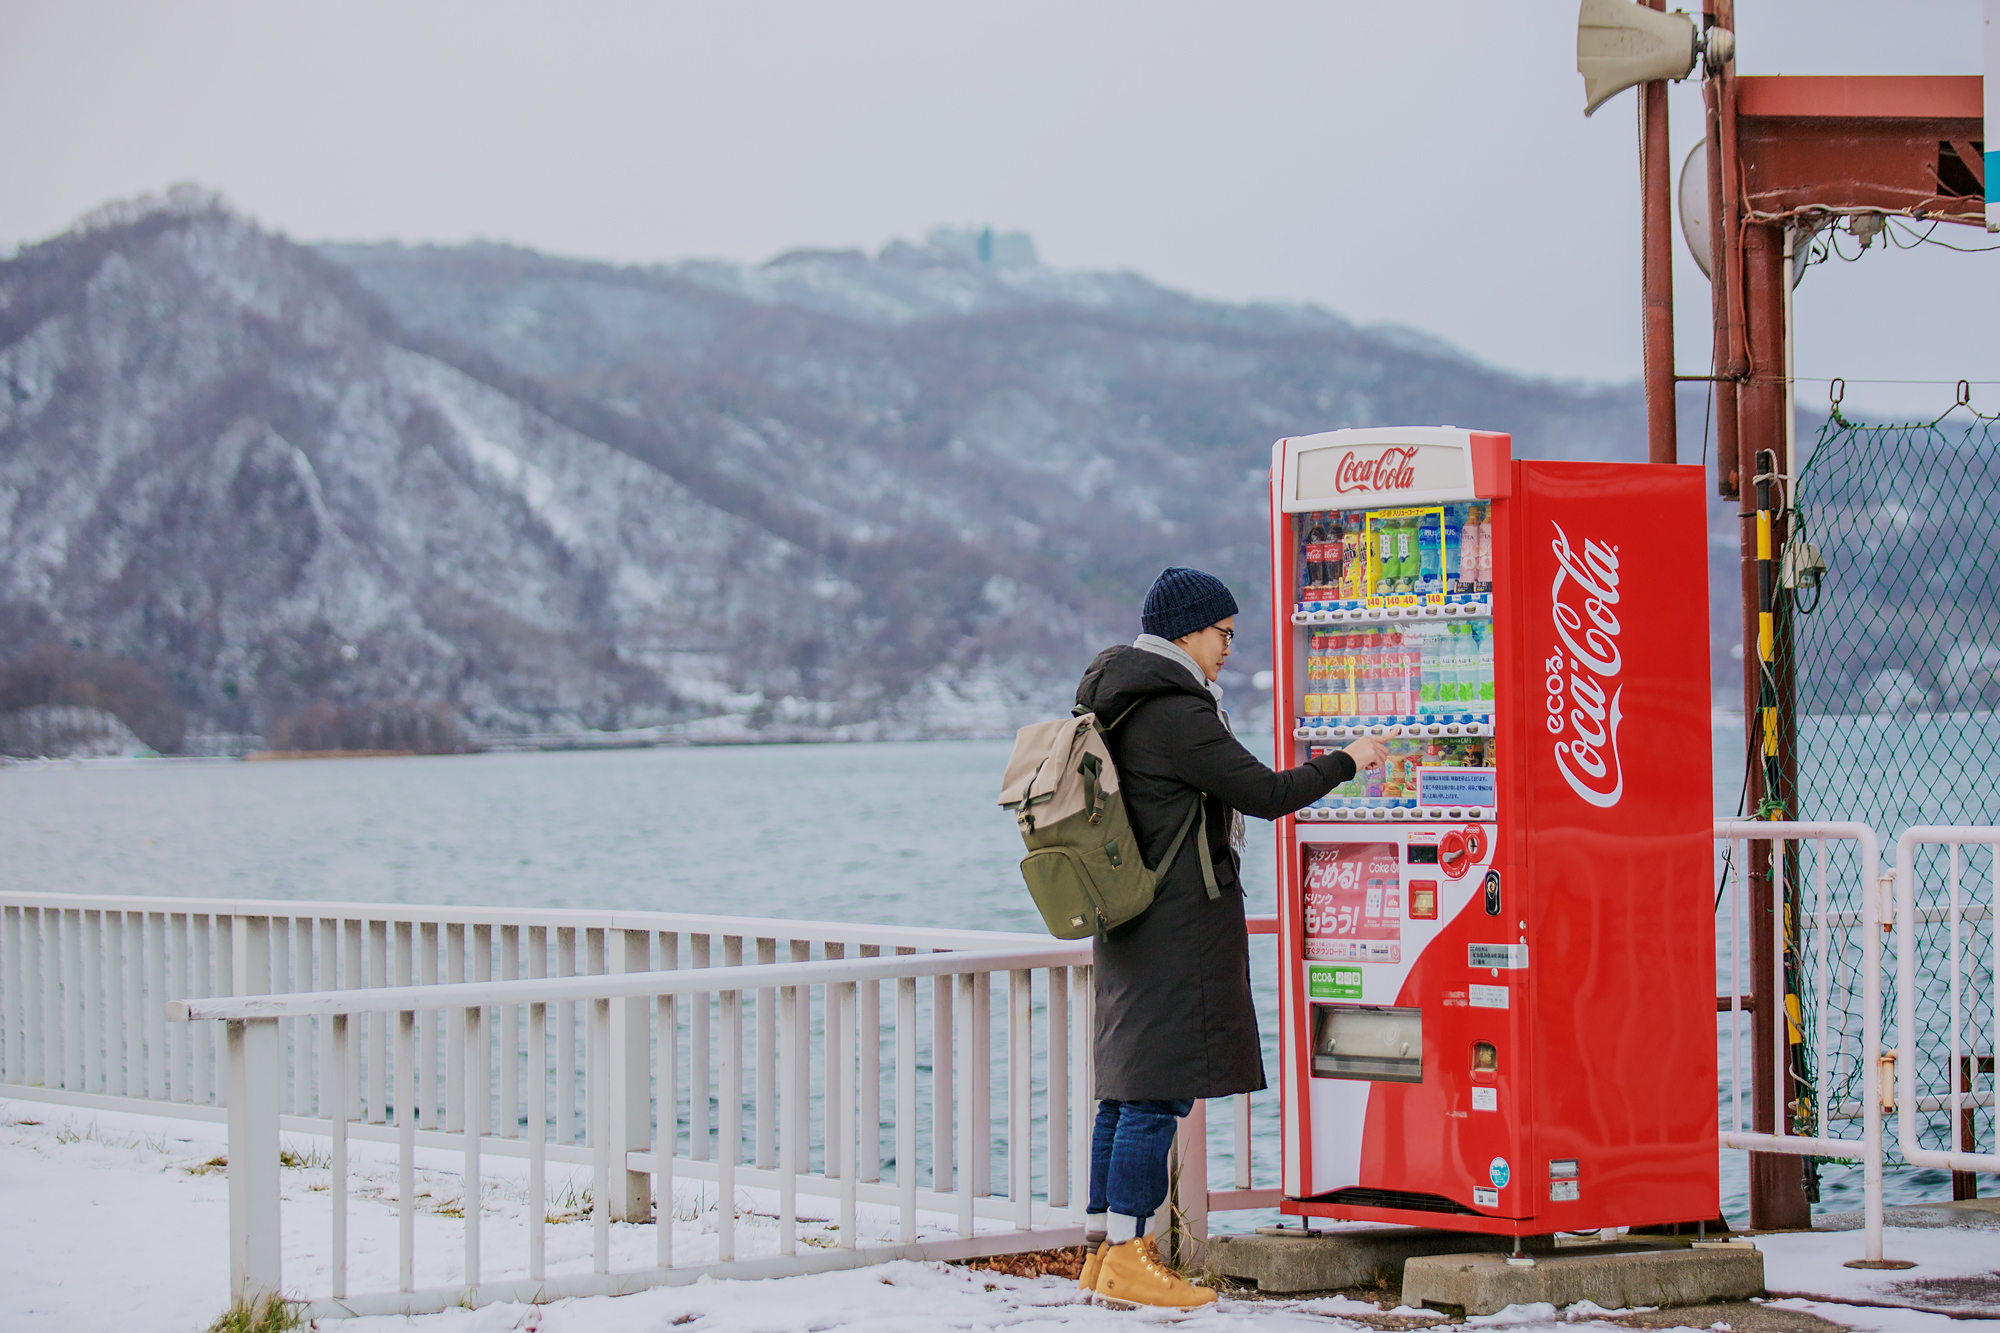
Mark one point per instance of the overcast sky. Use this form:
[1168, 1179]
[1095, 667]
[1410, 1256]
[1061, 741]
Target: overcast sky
[1421, 163]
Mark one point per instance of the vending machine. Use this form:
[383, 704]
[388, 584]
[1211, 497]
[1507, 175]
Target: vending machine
[1496, 953]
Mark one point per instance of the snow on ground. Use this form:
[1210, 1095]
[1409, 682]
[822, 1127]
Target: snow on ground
[113, 1223]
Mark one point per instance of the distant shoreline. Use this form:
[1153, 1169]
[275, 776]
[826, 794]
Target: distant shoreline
[258, 756]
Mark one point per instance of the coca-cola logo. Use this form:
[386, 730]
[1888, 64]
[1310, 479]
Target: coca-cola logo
[1584, 692]
[1391, 470]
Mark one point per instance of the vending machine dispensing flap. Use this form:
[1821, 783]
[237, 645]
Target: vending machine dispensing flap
[1368, 1041]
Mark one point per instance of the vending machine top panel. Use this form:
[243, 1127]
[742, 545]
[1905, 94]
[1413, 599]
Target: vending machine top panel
[1390, 465]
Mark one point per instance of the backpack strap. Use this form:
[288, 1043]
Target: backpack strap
[1078, 710]
[1198, 815]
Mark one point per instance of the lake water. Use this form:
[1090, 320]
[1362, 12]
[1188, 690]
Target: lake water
[886, 833]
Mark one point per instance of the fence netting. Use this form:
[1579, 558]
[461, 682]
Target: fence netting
[1896, 654]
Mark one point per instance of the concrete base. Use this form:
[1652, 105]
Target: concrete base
[1614, 1276]
[1290, 1260]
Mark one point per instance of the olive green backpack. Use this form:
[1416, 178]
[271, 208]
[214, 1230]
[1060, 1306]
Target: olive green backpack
[1083, 867]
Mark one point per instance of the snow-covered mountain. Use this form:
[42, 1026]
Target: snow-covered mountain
[834, 495]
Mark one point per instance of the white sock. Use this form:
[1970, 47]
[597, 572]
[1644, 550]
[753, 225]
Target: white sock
[1094, 1224]
[1119, 1228]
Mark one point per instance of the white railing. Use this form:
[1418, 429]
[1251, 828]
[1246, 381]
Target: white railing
[1954, 905]
[601, 1035]
[1832, 930]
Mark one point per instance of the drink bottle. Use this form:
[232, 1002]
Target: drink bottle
[1486, 666]
[1364, 674]
[1431, 645]
[1378, 655]
[1317, 559]
[1382, 556]
[1468, 555]
[1393, 673]
[1334, 570]
[1353, 567]
[1307, 559]
[1430, 553]
[1406, 555]
[1360, 579]
[1413, 680]
[1343, 669]
[1454, 525]
[1486, 548]
[1309, 704]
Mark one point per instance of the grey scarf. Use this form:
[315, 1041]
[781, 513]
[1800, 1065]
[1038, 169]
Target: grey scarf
[1173, 652]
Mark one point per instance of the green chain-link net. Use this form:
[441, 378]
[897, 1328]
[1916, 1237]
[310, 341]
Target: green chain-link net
[1897, 655]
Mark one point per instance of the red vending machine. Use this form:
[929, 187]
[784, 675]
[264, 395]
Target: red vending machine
[1497, 955]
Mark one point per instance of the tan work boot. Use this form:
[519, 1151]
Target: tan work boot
[1087, 1281]
[1134, 1274]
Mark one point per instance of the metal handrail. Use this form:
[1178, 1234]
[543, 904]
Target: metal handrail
[553, 918]
[1909, 1104]
[1869, 1146]
[625, 985]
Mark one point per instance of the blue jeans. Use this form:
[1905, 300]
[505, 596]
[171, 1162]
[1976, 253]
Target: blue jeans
[1128, 1156]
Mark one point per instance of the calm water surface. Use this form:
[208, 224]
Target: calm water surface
[893, 833]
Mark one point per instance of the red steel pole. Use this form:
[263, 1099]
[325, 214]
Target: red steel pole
[1777, 1183]
[1656, 230]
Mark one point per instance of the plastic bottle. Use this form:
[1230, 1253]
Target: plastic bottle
[1451, 543]
[1430, 554]
[1428, 654]
[1486, 548]
[1309, 702]
[1468, 551]
[1396, 667]
[1486, 668]
[1335, 568]
[1332, 674]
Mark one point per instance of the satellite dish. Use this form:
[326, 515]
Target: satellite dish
[1694, 205]
[1694, 216]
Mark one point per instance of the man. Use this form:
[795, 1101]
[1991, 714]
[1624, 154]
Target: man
[1174, 1014]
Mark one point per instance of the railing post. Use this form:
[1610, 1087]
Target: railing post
[1083, 1113]
[1059, 1103]
[253, 1120]
[629, 1085]
[1020, 1096]
[253, 1159]
[1187, 1202]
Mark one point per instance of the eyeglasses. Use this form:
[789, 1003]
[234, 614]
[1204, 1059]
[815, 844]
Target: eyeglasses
[1228, 635]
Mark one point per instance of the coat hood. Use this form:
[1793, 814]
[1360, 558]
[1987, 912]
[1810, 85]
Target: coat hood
[1122, 675]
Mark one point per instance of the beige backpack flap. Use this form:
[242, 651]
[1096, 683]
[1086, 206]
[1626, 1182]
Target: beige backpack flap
[1032, 747]
[1059, 789]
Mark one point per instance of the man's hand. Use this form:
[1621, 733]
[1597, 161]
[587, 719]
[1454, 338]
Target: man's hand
[1367, 753]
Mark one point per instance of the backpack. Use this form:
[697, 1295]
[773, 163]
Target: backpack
[1083, 867]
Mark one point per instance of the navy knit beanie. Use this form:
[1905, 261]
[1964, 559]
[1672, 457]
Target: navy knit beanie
[1183, 601]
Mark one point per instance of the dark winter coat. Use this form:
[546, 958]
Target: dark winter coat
[1174, 1016]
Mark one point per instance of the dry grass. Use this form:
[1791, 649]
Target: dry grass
[1063, 1263]
[272, 1316]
